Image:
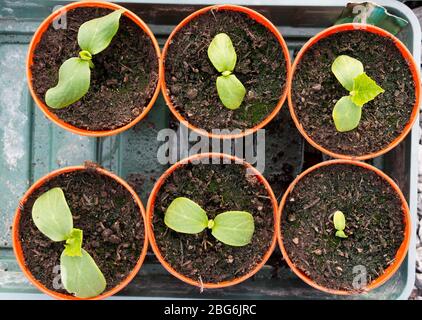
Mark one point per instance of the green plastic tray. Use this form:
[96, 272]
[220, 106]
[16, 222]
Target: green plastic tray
[31, 146]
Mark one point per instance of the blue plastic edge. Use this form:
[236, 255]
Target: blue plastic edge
[415, 133]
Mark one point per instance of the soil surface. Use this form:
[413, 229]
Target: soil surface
[191, 77]
[113, 231]
[216, 188]
[374, 225]
[316, 90]
[123, 80]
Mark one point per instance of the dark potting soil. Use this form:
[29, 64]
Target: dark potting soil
[216, 188]
[123, 80]
[374, 225]
[191, 77]
[316, 90]
[113, 231]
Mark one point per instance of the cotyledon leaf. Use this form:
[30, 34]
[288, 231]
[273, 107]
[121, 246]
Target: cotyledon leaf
[81, 275]
[346, 114]
[339, 220]
[231, 91]
[95, 35]
[341, 234]
[222, 53]
[234, 228]
[74, 81]
[346, 69]
[52, 215]
[185, 216]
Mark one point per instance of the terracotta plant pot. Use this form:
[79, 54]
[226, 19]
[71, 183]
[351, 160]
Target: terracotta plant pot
[258, 18]
[150, 217]
[388, 271]
[37, 38]
[408, 58]
[18, 249]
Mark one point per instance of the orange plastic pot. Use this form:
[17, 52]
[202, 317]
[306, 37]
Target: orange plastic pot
[414, 68]
[253, 15]
[401, 252]
[17, 247]
[37, 38]
[150, 214]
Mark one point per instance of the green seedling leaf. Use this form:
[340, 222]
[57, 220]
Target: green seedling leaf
[346, 69]
[340, 224]
[73, 246]
[346, 114]
[234, 228]
[222, 54]
[74, 81]
[185, 216]
[339, 221]
[364, 90]
[95, 35]
[231, 91]
[85, 55]
[74, 74]
[81, 276]
[52, 215]
[210, 223]
[341, 234]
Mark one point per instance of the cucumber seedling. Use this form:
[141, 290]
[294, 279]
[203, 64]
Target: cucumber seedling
[94, 36]
[362, 89]
[223, 57]
[80, 274]
[339, 224]
[234, 228]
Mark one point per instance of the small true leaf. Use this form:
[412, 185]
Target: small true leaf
[221, 53]
[364, 89]
[346, 114]
[234, 228]
[231, 91]
[85, 55]
[185, 216]
[81, 275]
[73, 246]
[52, 215]
[339, 221]
[73, 84]
[95, 35]
[346, 69]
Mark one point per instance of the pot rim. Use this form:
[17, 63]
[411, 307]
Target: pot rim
[17, 247]
[414, 69]
[401, 252]
[253, 15]
[37, 38]
[150, 213]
